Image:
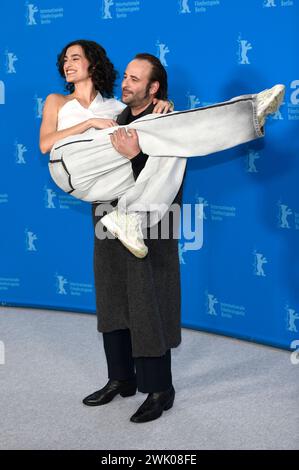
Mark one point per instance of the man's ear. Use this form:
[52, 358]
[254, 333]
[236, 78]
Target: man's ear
[154, 87]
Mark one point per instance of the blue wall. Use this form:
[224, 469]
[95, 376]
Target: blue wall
[244, 282]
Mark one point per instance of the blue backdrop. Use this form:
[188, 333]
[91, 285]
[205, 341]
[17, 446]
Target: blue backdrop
[244, 281]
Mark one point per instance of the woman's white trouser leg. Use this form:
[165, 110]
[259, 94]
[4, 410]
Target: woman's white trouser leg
[88, 167]
[192, 133]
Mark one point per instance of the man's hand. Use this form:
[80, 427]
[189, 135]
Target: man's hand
[126, 143]
[162, 106]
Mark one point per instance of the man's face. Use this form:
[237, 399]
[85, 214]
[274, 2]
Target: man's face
[136, 90]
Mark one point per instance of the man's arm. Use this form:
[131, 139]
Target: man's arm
[138, 163]
[127, 144]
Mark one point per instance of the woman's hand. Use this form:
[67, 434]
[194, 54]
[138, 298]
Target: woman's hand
[162, 106]
[98, 123]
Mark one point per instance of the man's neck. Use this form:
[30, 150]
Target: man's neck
[139, 109]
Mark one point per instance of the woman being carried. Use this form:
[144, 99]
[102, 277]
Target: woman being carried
[84, 163]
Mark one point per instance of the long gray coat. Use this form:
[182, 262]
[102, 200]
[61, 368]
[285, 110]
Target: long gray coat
[140, 294]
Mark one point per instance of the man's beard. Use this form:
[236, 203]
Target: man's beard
[133, 100]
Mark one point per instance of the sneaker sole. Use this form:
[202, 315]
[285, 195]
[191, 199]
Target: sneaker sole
[135, 252]
[276, 100]
[114, 229]
[111, 226]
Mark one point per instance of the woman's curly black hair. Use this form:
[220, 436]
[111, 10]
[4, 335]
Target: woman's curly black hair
[102, 71]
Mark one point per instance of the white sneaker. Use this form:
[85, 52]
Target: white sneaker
[268, 102]
[127, 228]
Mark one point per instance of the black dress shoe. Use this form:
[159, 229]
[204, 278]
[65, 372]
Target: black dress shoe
[154, 406]
[126, 388]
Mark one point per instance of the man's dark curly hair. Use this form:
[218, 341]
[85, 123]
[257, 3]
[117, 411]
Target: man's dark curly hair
[102, 71]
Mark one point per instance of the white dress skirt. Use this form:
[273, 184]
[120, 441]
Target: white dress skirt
[89, 168]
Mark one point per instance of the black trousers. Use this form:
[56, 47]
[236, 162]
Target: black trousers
[153, 374]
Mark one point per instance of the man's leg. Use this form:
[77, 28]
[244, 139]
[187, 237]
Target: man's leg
[118, 350]
[120, 365]
[154, 373]
[112, 314]
[154, 377]
[158, 323]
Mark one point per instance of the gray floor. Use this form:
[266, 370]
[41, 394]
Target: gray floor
[230, 394]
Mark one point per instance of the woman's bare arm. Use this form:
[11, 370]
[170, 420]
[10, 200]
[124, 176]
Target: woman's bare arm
[48, 131]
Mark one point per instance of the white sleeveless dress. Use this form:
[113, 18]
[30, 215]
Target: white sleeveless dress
[72, 112]
[89, 168]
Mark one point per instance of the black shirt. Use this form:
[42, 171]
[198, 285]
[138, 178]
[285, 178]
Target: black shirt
[139, 161]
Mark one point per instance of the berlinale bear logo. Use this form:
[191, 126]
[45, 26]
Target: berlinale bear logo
[2, 92]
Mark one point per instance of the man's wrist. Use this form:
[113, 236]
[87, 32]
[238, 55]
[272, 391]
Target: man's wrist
[139, 154]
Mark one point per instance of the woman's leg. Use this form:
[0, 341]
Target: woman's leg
[88, 167]
[201, 131]
[184, 134]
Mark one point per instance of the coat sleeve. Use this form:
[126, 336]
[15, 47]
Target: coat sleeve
[138, 163]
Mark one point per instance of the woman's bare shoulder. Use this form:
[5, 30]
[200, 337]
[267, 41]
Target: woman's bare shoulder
[58, 99]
